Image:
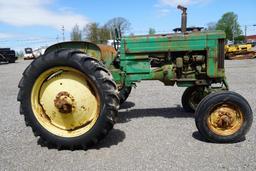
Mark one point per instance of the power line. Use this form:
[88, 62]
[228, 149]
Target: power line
[28, 40]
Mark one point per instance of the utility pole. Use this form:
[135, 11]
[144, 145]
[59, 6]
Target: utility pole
[63, 32]
[245, 33]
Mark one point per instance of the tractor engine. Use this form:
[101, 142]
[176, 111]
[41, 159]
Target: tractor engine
[187, 57]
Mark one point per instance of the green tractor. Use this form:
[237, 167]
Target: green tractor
[70, 96]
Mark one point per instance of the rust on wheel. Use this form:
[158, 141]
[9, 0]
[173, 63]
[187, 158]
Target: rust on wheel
[65, 102]
[225, 120]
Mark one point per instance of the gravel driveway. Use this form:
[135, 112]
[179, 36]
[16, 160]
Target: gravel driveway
[153, 132]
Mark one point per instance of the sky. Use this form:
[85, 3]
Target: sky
[35, 23]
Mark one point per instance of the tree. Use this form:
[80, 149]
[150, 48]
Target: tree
[229, 24]
[20, 54]
[104, 35]
[97, 34]
[152, 31]
[76, 34]
[240, 39]
[119, 23]
[91, 31]
[211, 26]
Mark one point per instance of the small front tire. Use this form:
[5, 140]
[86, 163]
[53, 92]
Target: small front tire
[124, 93]
[223, 117]
[192, 97]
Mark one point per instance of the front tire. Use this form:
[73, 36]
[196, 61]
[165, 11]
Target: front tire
[124, 93]
[223, 117]
[68, 99]
[192, 97]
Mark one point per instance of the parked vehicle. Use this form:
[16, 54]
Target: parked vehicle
[70, 96]
[7, 55]
[32, 54]
[29, 54]
[239, 51]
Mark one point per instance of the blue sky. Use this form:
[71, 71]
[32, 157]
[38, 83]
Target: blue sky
[34, 23]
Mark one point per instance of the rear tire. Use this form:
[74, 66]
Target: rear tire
[99, 81]
[223, 117]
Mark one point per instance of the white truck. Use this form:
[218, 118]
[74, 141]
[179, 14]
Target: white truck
[30, 54]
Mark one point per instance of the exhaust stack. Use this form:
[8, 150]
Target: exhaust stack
[183, 18]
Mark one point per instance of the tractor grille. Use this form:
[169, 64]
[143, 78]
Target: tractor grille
[221, 53]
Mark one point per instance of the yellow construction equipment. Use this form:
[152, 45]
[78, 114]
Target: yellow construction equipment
[239, 51]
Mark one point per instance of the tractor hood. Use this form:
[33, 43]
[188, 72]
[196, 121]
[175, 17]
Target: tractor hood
[170, 42]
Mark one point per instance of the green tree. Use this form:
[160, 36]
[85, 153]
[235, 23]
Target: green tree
[152, 31]
[76, 34]
[91, 31]
[97, 34]
[229, 24]
[104, 35]
[240, 39]
[20, 54]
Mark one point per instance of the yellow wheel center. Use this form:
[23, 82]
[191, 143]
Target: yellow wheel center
[225, 120]
[65, 102]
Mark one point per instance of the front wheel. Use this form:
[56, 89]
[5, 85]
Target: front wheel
[223, 117]
[68, 99]
[124, 93]
[192, 97]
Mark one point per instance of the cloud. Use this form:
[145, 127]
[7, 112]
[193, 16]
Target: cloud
[174, 3]
[37, 13]
[163, 12]
[163, 7]
[5, 36]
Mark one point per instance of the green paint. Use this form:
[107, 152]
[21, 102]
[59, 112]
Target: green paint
[136, 52]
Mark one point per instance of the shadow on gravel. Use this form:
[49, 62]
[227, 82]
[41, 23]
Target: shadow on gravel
[127, 105]
[126, 116]
[199, 137]
[3, 63]
[114, 137]
[6, 63]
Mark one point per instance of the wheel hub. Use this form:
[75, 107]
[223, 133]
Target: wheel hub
[225, 120]
[64, 102]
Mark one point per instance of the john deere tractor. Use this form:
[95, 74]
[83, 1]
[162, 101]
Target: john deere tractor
[70, 96]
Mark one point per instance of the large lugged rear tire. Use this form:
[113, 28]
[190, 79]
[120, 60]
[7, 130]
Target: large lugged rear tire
[68, 99]
[223, 117]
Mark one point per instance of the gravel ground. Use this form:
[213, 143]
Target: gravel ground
[153, 132]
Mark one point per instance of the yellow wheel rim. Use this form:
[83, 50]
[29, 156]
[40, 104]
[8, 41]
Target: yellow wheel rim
[225, 119]
[65, 102]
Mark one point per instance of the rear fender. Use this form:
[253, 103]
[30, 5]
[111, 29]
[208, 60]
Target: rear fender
[89, 48]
